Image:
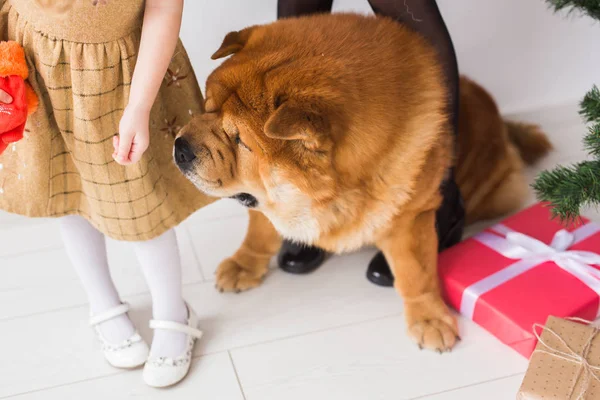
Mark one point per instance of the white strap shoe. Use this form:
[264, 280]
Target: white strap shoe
[164, 371]
[130, 353]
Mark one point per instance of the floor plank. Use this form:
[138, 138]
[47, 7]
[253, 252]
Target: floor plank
[215, 240]
[287, 305]
[284, 307]
[497, 389]
[210, 378]
[29, 237]
[374, 360]
[44, 280]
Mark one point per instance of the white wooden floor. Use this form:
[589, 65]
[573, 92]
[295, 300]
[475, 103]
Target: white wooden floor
[329, 335]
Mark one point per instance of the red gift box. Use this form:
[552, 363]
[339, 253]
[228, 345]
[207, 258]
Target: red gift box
[519, 272]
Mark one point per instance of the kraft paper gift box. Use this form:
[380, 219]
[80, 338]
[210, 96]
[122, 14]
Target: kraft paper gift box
[565, 363]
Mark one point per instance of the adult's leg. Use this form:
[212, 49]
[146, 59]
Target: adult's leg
[296, 258]
[86, 248]
[423, 16]
[294, 8]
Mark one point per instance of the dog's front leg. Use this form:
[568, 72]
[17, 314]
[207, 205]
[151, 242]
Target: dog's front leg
[247, 267]
[410, 248]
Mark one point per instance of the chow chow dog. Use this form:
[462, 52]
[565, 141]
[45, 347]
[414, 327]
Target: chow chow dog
[333, 131]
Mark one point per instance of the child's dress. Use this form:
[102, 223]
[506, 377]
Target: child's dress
[81, 63]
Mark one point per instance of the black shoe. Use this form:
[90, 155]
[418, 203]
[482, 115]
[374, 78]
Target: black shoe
[379, 271]
[450, 222]
[300, 259]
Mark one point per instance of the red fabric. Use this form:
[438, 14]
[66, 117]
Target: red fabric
[12, 116]
[510, 310]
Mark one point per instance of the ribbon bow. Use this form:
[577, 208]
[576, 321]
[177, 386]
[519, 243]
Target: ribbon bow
[575, 262]
[528, 253]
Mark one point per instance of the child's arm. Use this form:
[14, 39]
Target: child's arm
[160, 32]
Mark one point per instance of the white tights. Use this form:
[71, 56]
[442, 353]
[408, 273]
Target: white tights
[161, 265]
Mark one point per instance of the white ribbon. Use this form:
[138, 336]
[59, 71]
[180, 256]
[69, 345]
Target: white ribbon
[529, 253]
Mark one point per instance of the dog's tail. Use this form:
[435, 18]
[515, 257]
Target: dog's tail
[530, 141]
[491, 155]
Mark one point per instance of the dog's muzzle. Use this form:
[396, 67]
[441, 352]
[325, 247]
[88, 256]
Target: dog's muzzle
[183, 153]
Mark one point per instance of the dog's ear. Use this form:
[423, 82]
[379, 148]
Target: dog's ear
[233, 42]
[298, 121]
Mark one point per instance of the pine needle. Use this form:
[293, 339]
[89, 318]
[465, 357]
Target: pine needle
[590, 105]
[587, 7]
[569, 189]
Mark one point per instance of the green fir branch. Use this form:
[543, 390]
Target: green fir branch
[568, 189]
[588, 7]
[592, 141]
[590, 105]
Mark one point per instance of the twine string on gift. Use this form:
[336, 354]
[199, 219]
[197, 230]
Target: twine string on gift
[588, 370]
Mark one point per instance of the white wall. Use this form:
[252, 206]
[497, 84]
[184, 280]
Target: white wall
[524, 54]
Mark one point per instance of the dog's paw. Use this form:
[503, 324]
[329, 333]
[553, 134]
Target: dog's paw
[432, 325]
[233, 277]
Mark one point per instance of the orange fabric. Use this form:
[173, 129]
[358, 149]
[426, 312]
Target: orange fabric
[31, 99]
[12, 60]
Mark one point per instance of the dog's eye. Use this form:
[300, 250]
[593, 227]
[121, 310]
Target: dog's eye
[246, 199]
[277, 101]
[238, 141]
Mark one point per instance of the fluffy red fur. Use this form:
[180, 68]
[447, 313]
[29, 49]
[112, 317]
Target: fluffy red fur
[13, 72]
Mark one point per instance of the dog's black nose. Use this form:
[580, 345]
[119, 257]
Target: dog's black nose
[183, 152]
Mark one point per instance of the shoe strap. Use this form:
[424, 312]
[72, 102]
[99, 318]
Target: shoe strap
[109, 314]
[176, 327]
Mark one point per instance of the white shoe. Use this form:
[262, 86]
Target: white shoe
[165, 371]
[130, 353]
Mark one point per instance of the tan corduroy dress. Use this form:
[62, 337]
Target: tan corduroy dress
[81, 63]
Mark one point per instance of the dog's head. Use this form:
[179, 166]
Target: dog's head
[267, 136]
[301, 117]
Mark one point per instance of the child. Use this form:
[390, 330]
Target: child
[97, 154]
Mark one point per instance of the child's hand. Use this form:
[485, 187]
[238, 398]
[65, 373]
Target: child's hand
[134, 137]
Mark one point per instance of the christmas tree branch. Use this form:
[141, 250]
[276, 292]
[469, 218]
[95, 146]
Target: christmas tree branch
[590, 105]
[592, 140]
[569, 189]
[589, 7]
